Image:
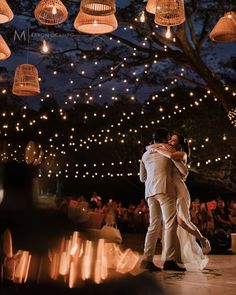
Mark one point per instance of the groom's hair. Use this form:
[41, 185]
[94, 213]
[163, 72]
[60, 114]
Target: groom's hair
[160, 135]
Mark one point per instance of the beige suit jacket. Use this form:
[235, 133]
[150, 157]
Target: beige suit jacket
[156, 172]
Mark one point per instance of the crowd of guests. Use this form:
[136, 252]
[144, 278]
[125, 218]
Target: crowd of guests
[216, 219]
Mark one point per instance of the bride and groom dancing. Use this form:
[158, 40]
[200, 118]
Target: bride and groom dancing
[163, 168]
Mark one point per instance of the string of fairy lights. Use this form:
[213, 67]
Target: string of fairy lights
[108, 134]
[64, 170]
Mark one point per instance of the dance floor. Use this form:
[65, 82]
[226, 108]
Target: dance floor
[219, 278]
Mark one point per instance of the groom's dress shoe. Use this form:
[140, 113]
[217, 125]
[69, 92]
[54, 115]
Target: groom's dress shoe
[172, 265]
[149, 266]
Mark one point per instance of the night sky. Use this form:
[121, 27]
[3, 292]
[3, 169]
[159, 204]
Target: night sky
[68, 81]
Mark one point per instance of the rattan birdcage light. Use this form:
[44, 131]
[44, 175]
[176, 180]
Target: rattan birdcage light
[5, 52]
[6, 13]
[95, 25]
[98, 7]
[151, 6]
[169, 12]
[225, 29]
[26, 81]
[51, 12]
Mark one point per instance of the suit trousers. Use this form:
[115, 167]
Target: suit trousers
[161, 206]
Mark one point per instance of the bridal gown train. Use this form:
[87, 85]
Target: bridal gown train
[191, 253]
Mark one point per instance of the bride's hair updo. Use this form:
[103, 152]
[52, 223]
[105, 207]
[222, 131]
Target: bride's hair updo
[183, 142]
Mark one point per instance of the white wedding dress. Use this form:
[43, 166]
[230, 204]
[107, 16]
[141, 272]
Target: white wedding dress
[191, 253]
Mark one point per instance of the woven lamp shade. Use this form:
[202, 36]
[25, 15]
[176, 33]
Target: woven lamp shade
[6, 13]
[151, 6]
[169, 12]
[51, 12]
[26, 81]
[98, 7]
[95, 25]
[225, 29]
[5, 52]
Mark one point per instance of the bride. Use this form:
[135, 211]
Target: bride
[192, 255]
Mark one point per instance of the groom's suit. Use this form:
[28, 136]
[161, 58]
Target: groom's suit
[156, 172]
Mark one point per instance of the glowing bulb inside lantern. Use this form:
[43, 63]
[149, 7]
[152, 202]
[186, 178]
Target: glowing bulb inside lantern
[54, 10]
[142, 17]
[95, 23]
[45, 48]
[1, 195]
[168, 33]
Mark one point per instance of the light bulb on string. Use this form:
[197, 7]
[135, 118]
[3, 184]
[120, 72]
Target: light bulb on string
[168, 32]
[142, 17]
[45, 48]
[54, 10]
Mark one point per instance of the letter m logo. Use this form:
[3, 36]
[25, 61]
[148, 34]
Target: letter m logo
[20, 37]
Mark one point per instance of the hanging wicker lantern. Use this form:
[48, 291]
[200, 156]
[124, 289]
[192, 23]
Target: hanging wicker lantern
[169, 12]
[98, 7]
[225, 29]
[151, 6]
[6, 13]
[26, 81]
[51, 12]
[95, 25]
[5, 52]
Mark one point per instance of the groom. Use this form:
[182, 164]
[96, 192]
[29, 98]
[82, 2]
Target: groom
[156, 172]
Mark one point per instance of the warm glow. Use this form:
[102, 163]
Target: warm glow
[54, 10]
[45, 48]
[1, 195]
[142, 17]
[168, 33]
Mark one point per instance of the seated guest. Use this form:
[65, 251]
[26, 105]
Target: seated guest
[95, 201]
[203, 217]
[222, 217]
[195, 207]
[232, 216]
[82, 203]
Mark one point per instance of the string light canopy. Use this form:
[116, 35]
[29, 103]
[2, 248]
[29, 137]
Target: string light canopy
[169, 12]
[6, 13]
[151, 6]
[26, 81]
[5, 52]
[225, 29]
[98, 7]
[51, 12]
[95, 25]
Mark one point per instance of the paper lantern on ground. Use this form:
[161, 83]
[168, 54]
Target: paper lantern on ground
[95, 25]
[6, 13]
[5, 52]
[151, 6]
[225, 29]
[51, 12]
[98, 7]
[15, 267]
[26, 81]
[169, 12]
